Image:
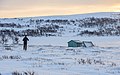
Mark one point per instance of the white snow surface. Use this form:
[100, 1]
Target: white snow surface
[25, 21]
[51, 56]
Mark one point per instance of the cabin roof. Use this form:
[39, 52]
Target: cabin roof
[77, 41]
[83, 43]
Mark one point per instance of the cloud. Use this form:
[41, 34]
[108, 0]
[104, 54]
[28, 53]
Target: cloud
[30, 3]
[56, 6]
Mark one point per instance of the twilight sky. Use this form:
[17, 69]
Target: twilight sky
[25, 8]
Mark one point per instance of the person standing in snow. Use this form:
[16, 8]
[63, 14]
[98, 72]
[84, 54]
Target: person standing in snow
[25, 39]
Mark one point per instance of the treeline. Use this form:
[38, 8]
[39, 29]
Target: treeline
[104, 26]
[107, 32]
[97, 22]
[52, 27]
[39, 31]
[48, 21]
[42, 31]
[12, 25]
[7, 34]
[86, 22]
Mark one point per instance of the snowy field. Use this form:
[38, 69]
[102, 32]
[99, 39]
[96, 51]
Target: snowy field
[51, 56]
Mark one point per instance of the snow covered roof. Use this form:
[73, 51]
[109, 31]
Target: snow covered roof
[77, 41]
[88, 43]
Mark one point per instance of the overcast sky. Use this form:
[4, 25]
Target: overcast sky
[23, 8]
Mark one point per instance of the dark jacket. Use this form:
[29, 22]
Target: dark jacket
[25, 39]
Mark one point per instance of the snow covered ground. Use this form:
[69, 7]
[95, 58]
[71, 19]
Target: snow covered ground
[25, 21]
[51, 56]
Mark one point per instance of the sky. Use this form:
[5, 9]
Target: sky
[29, 8]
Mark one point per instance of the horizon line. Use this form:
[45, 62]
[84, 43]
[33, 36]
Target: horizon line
[57, 15]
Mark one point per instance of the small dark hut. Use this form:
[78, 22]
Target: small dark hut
[77, 43]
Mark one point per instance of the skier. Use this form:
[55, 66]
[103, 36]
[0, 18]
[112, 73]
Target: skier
[25, 39]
